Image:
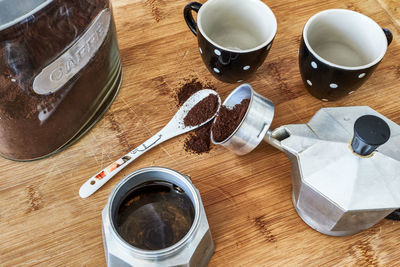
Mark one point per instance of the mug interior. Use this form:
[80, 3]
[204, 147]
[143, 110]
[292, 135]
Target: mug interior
[345, 38]
[237, 25]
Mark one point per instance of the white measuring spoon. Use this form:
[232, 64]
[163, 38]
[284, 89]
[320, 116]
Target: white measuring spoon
[174, 128]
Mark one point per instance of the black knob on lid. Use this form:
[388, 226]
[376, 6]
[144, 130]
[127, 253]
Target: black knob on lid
[369, 133]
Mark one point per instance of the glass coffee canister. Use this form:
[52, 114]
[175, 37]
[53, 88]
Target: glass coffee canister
[60, 70]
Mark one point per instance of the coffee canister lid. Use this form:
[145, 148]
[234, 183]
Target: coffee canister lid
[13, 12]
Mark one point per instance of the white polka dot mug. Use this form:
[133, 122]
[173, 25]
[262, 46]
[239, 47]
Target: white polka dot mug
[234, 36]
[339, 50]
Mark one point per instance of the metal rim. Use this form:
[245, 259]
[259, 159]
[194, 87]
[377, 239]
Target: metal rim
[161, 253]
[21, 18]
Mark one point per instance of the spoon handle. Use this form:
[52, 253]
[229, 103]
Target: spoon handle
[98, 180]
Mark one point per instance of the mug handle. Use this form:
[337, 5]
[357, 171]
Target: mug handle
[389, 35]
[187, 13]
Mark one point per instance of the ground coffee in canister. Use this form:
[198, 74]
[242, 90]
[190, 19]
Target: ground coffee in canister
[59, 67]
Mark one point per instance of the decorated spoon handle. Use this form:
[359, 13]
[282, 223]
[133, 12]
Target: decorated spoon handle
[98, 180]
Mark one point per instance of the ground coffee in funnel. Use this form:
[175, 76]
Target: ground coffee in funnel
[228, 119]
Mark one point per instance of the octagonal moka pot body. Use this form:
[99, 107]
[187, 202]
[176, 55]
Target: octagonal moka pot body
[194, 249]
[336, 190]
[345, 163]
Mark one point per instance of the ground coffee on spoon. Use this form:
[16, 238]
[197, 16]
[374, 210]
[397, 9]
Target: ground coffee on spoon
[202, 111]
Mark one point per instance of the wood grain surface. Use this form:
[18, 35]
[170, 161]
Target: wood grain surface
[247, 199]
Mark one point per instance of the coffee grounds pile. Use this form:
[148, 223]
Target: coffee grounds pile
[228, 120]
[202, 111]
[199, 141]
[189, 88]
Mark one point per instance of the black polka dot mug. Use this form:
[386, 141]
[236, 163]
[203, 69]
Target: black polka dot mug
[339, 50]
[234, 36]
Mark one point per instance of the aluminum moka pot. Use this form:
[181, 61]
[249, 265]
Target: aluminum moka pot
[194, 249]
[345, 161]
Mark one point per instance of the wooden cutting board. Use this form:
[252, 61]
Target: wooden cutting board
[247, 199]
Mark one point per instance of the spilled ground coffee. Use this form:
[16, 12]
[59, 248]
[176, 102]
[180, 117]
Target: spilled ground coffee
[155, 215]
[190, 87]
[228, 120]
[199, 140]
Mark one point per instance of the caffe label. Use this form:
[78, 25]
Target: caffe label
[61, 70]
